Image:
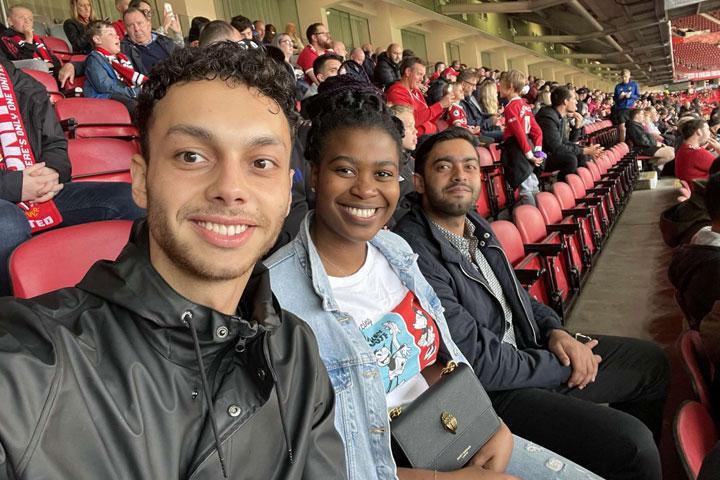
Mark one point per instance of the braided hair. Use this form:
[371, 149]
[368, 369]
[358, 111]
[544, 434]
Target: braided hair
[344, 102]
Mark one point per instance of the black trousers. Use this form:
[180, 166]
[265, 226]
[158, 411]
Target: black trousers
[565, 163]
[616, 442]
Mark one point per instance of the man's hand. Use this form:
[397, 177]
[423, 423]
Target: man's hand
[593, 151]
[28, 32]
[714, 144]
[495, 454]
[40, 184]
[66, 74]
[579, 119]
[576, 355]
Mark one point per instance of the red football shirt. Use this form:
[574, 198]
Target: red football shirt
[692, 162]
[425, 117]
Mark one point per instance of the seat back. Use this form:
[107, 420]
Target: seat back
[695, 435]
[101, 159]
[485, 157]
[549, 207]
[494, 151]
[697, 364]
[47, 81]
[530, 223]
[510, 240]
[564, 194]
[55, 44]
[586, 177]
[594, 171]
[576, 185]
[95, 117]
[38, 267]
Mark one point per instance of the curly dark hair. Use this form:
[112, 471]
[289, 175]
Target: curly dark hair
[342, 103]
[227, 61]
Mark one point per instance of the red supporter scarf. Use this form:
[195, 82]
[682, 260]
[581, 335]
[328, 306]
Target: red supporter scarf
[41, 51]
[17, 154]
[123, 68]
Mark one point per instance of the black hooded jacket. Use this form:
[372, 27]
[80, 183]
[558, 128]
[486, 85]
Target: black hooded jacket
[386, 72]
[104, 381]
[554, 140]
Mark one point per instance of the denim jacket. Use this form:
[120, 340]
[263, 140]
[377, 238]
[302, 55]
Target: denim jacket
[301, 285]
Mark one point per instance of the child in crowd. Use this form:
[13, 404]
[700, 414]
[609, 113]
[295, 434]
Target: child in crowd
[520, 155]
[109, 73]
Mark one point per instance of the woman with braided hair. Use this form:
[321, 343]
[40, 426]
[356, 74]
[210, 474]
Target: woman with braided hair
[380, 327]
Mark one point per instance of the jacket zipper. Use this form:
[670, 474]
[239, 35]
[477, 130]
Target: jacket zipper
[493, 295]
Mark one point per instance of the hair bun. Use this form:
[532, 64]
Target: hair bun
[344, 92]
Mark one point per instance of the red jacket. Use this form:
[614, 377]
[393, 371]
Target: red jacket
[692, 163]
[520, 123]
[425, 116]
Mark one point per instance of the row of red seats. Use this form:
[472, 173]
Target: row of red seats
[553, 246]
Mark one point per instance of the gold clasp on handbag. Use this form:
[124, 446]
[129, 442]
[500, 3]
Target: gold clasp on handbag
[452, 365]
[449, 422]
[395, 412]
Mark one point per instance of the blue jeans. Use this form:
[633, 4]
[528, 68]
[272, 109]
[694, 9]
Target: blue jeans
[78, 203]
[531, 461]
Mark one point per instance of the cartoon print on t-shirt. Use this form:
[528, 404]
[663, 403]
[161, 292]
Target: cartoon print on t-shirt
[404, 342]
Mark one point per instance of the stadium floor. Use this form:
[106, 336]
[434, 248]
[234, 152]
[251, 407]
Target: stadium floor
[629, 294]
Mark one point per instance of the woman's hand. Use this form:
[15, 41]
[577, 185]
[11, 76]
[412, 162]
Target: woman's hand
[495, 454]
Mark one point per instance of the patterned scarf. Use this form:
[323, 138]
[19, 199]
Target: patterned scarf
[123, 68]
[12, 42]
[18, 155]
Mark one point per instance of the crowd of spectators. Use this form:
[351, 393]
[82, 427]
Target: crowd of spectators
[381, 238]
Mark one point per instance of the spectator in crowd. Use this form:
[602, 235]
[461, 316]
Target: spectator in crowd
[47, 182]
[137, 334]
[532, 94]
[109, 73]
[462, 112]
[693, 159]
[339, 48]
[325, 66]
[522, 149]
[369, 63]
[387, 68]
[19, 41]
[143, 47]
[243, 25]
[76, 27]
[625, 95]
[564, 153]
[259, 30]
[196, 26]
[404, 113]
[319, 43]
[695, 268]
[170, 26]
[218, 31]
[407, 91]
[408, 53]
[439, 68]
[344, 261]
[270, 33]
[643, 142]
[542, 381]
[119, 24]
[354, 66]
[487, 97]
[291, 30]
[285, 44]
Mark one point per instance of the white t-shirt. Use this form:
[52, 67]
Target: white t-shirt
[403, 336]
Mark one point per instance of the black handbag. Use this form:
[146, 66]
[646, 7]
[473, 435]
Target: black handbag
[446, 425]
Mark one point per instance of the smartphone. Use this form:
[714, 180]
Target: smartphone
[168, 9]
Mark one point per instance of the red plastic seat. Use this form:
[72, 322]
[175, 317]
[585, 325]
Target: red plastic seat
[60, 258]
[695, 434]
[47, 81]
[596, 204]
[58, 47]
[565, 279]
[94, 117]
[528, 268]
[698, 365]
[568, 227]
[485, 204]
[581, 213]
[600, 191]
[101, 159]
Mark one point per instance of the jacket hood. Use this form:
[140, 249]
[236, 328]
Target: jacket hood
[705, 236]
[132, 283]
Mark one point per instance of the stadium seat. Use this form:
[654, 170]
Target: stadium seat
[596, 204]
[94, 117]
[557, 259]
[695, 434]
[101, 159]
[697, 364]
[528, 268]
[497, 186]
[568, 227]
[60, 258]
[601, 191]
[582, 213]
[58, 47]
[486, 202]
[47, 81]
